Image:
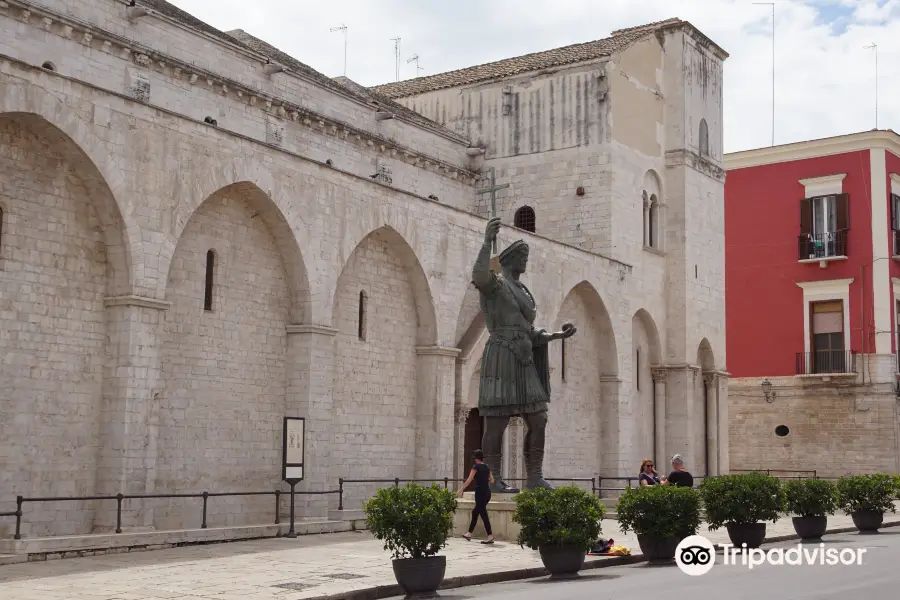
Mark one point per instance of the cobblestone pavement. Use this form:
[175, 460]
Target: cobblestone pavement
[301, 568]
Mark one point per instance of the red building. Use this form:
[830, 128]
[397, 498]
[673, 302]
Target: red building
[812, 265]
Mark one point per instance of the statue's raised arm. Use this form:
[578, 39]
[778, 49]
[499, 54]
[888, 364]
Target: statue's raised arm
[482, 276]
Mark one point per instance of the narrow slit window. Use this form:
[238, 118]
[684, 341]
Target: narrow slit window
[1, 231]
[361, 332]
[210, 269]
[563, 359]
[637, 369]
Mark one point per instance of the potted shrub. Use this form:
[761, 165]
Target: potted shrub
[742, 503]
[562, 524]
[414, 522]
[866, 498]
[661, 516]
[811, 501]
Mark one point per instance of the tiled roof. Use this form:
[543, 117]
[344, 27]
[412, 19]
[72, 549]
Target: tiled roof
[244, 39]
[617, 41]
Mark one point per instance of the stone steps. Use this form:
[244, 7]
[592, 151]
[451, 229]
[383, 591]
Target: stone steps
[13, 559]
[43, 548]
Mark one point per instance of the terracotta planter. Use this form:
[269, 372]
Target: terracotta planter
[417, 576]
[563, 561]
[658, 549]
[868, 520]
[752, 534]
[810, 528]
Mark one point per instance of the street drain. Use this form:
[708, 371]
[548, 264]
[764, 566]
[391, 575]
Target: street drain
[293, 586]
[344, 576]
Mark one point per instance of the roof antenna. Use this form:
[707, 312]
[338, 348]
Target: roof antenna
[396, 41]
[415, 58]
[343, 28]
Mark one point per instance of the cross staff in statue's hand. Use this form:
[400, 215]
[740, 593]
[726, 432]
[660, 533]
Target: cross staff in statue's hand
[491, 231]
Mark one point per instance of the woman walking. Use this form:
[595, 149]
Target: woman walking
[483, 479]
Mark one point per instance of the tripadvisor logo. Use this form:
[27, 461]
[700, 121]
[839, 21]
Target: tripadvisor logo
[696, 555]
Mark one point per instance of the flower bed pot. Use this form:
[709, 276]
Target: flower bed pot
[810, 528]
[658, 549]
[563, 561]
[420, 575]
[868, 520]
[752, 534]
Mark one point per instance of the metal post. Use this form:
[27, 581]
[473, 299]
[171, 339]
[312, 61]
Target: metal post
[446, 482]
[396, 482]
[205, 496]
[594, 486]
[119, 498]
[341, 493]
[291, 533]
[277, 507]
[19, 501]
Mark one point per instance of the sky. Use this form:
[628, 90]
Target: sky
[825, 81]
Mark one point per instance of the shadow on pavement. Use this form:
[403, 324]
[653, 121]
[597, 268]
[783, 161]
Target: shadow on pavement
[579, 577]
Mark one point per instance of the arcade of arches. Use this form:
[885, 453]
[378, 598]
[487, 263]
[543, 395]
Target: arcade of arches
[186, 391]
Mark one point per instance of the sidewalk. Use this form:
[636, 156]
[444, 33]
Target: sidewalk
[340, 565]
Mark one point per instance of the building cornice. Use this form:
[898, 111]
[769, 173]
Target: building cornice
[688, 158]
[437, 351]
[823, 180]
[310, 328]
[275, 107]
[139, 301]
[855, 142]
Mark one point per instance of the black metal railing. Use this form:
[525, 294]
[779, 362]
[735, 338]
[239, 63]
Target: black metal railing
[817, 246]
[205, 496]
[823, 362]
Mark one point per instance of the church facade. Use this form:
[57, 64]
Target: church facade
[201, 235]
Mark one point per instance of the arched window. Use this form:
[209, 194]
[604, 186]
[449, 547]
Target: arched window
[525, 219]
[704, 138]
[210, 270]
[653, 225]
[361, 325]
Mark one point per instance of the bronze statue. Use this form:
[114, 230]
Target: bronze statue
[515, 371]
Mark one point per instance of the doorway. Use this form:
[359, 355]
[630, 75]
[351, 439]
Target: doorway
[473, 437]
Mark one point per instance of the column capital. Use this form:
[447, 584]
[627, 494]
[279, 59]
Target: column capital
[437, 351]
[462, 414]
[659, 373]
[310, 328]
[133, 300]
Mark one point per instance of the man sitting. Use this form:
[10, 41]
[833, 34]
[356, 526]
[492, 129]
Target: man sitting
[679, 477]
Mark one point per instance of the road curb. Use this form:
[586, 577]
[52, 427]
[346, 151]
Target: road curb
[388, 591]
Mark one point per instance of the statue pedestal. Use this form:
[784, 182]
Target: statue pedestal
[500, 511]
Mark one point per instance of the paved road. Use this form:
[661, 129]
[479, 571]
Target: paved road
[876, 578]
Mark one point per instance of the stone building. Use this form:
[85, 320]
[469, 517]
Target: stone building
[202, 235]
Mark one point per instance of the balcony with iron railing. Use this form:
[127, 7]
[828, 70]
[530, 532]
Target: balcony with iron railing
[827, 362]
[821, 247]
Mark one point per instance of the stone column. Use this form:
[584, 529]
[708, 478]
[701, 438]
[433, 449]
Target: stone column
[659, 415]
[132, 384]
[722, 404]
[459, 464]
[309, 394]
[436, 378]
[712, 422]
[680, 415]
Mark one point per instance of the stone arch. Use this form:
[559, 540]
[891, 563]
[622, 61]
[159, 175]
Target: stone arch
[706, 359]
[646, 353]
[60, 215]
[121, 249]
[383, 412]
[583, 413]
[425, 312]
[265, 208]
[704, 138]
[226, 369]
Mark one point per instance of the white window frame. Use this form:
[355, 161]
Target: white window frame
[824, 291]
[829, 185]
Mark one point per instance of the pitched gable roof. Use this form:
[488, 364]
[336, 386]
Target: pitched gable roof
[245, 40]
[617, 41]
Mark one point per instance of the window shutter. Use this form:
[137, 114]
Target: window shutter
[842, 210]
[805, 216]
[894, 199]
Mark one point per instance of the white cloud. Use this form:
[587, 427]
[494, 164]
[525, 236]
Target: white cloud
[825, 79]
